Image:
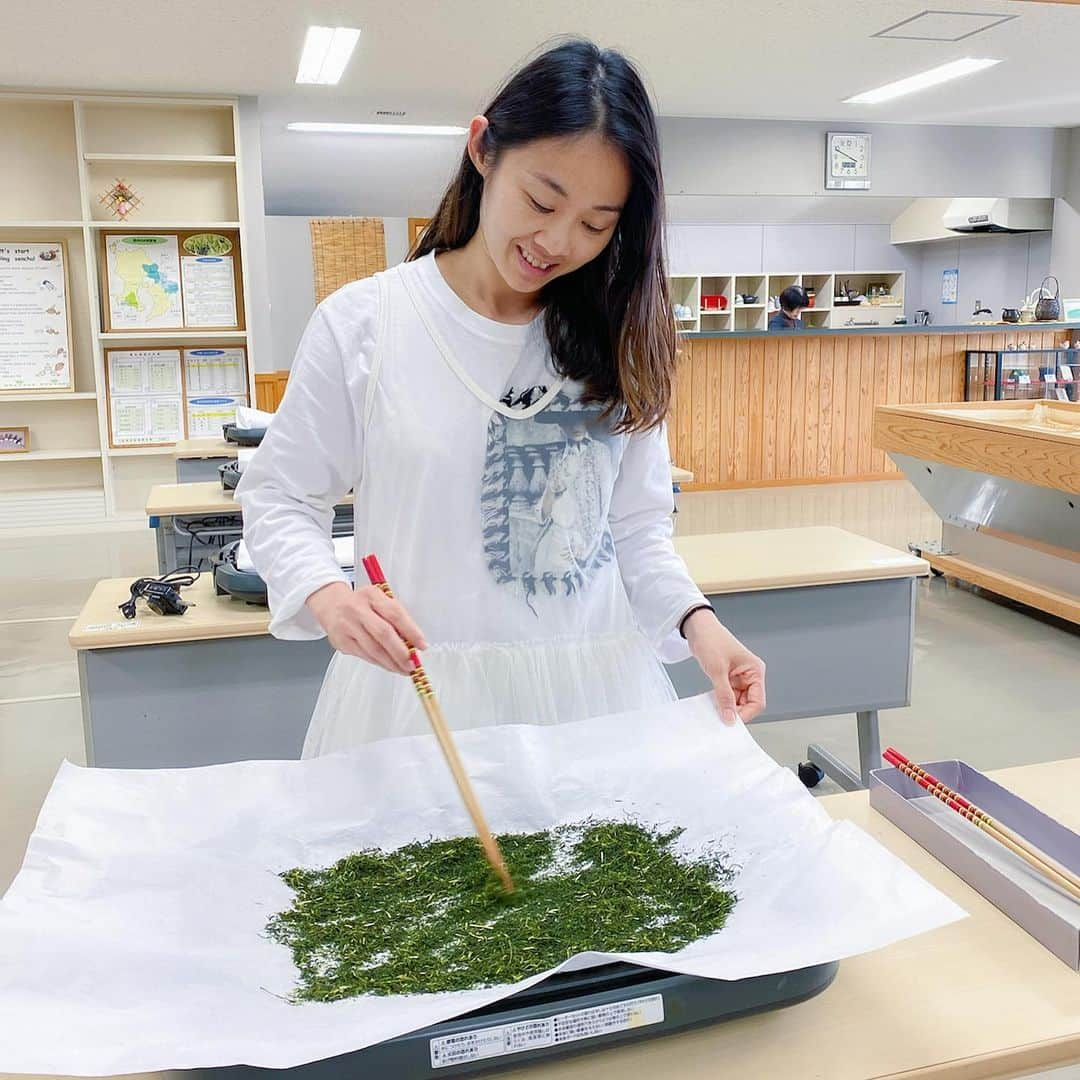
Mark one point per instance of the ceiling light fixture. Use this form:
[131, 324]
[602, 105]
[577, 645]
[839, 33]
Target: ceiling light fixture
[925, 79]
[326, 53]
[375, 129]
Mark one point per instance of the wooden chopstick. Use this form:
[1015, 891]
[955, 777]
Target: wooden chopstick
[438, 723]
[1014, 836]
[1050, 868]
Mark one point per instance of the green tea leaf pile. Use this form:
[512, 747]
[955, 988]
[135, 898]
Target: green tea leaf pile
[431, 917]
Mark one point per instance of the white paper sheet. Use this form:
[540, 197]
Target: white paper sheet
[132, 938]
[247, 417]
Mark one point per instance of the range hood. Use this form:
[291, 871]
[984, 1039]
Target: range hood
[944, 219]
[999, 215]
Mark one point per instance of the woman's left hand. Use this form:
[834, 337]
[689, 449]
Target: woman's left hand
[737, 675]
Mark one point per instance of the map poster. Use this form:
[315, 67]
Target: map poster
[35, 325]
[143, 276]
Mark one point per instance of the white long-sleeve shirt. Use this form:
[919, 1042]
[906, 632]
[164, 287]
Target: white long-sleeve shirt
[504, 513]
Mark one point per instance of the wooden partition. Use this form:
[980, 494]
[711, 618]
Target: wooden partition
[794, 408]
[799, 408]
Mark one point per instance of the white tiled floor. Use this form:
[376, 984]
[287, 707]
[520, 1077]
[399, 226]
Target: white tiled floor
[992, 684]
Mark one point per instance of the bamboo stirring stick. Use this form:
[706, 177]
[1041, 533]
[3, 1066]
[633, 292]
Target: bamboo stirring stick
[1033, 860]
[1014, 836]
[442, 733]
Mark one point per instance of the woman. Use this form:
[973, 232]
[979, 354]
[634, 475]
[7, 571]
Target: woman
[434, 390]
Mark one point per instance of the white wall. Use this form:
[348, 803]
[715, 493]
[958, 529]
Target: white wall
[780, 157]
[255, 258]
[1065, 249]
[998, 270]
[292, 282]
[404, 177]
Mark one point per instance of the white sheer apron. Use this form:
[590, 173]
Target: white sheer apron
[535, 680]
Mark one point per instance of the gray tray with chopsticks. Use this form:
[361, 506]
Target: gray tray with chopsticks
[1030, 898]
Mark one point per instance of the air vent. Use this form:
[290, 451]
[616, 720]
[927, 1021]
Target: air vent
[396, 113]
[943, 26]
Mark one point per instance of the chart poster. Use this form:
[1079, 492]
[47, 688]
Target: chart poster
[35, 327]
[143, 277]
[146, 393]
[215, 371]
[207, 415]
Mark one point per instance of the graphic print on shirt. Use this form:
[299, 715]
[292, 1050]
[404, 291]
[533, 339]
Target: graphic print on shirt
[545, 494]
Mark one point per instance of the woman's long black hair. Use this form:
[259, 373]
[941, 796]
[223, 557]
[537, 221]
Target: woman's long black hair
[609, 323]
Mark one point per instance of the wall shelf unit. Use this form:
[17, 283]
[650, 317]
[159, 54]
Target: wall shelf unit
[716, 300]
[61, 152]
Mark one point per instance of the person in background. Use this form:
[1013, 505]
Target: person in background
[792, 301]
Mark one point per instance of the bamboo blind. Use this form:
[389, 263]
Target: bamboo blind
[344, 250]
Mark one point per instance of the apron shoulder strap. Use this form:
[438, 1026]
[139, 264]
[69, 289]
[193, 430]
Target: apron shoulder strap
[381, 324]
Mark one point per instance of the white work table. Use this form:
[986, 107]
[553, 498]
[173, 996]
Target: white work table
[978, 998]
[831, 613]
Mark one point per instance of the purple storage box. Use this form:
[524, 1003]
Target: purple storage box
[1046, 912]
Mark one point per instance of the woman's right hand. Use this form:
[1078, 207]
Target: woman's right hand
[365, 622]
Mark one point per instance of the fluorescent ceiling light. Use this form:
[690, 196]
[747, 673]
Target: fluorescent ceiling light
[376, 129]
[935, 76]
[326, 53]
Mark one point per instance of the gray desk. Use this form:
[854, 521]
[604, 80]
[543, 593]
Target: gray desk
[213, 686]
[199, 459]
[832, 615]
[191, 521]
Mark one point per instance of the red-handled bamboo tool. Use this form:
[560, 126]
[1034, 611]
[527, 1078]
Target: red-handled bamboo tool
[1050, 868]
[442, 733]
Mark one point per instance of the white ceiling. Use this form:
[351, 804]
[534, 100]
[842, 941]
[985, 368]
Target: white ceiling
[440, 59]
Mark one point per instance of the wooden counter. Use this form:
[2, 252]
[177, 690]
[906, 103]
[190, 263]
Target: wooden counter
[719, 563]
[999, 437]
[1003, 476]
[790, 558]
[100, 625]
[978, 998]
[204, 497]
[204, 448]
[799, 408]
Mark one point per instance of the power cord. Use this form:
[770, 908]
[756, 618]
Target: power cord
[162, 594]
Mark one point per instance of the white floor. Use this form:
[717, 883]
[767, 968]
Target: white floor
[993, 684]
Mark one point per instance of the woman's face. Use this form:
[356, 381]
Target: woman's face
[551, 206]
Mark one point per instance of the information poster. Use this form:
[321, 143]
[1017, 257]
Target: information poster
[209, 290]
[143, 275]
[35, 347]
[145, 396]
[206, 416]
[215, 371]
[950, 281]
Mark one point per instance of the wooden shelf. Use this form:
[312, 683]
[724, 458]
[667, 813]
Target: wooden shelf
[140, 451]
[183, 157]
[172, 335]
[164, 159]
[45, 395]
[51, 455]
[162, 226]
[1024, 592]
[41, 225]
[688, 289]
